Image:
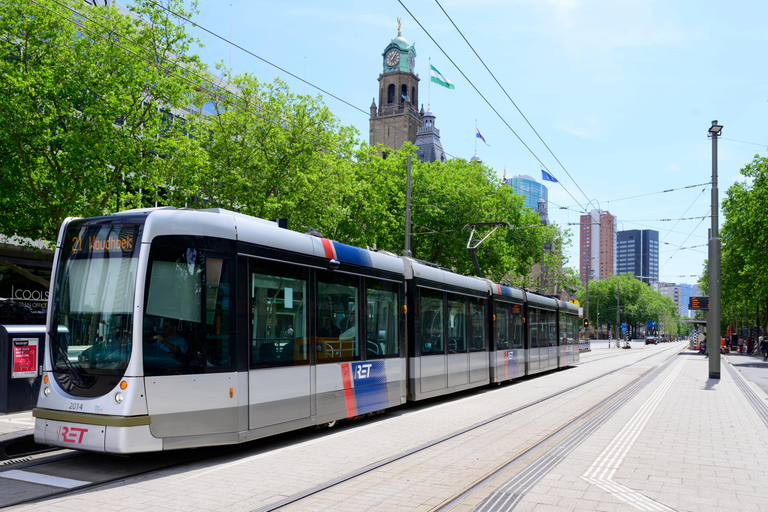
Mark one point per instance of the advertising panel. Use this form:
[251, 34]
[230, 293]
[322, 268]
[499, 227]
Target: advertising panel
[24, 363]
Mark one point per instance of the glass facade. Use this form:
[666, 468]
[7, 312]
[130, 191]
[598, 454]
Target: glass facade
[530, 188]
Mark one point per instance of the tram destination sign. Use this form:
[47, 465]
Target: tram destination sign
[699, 303]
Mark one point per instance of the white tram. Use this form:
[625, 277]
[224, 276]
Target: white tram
[176, 328]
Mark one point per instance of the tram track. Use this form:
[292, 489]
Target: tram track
[143, 465]
[298, 497]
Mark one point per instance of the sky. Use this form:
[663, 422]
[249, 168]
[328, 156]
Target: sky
[621, 94]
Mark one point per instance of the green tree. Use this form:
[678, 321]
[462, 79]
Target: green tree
[86, 110]
[637, 304]
[744, 256]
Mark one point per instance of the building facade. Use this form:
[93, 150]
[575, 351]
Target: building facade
[637, 253]
[597, 245]
[674, 292]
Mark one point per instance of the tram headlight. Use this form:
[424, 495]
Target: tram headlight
[46, 391]
[118, 398]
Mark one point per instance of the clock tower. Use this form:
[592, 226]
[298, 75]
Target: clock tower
[397, 118]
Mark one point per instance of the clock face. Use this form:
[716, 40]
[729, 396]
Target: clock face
[411, 61]
[392, 58]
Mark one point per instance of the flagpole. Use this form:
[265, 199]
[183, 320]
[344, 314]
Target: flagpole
[475, 136]
[429, 84]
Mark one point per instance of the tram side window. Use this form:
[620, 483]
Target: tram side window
[382, 324]
[563, 329]
[502, 326]
[431, 322]
[338, 331]
[573, 330]
[477, 326]
[457, 324]
[533, 317]
[551, 328]
[278, 295]
[517, 326]
[186, 318]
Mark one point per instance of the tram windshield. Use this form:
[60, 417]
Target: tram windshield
[93, 302]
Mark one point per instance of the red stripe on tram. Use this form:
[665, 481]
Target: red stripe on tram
[328, 248]
[349, 393]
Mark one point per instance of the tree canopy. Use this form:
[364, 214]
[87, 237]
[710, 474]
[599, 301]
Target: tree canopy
[87, 96]
[637, 304]
[102, 110]
[744, 255]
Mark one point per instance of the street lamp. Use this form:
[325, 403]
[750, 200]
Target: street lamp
[713, 316]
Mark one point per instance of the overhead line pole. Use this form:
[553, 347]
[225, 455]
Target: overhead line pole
[713, 316]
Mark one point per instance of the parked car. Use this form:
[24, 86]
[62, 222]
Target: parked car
[651, 340]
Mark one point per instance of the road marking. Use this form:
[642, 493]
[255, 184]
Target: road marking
[37, 478]
[607, 463]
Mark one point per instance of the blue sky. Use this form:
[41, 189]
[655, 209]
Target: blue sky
[623, 93]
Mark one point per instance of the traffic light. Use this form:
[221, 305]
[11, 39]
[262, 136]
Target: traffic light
[586, 323]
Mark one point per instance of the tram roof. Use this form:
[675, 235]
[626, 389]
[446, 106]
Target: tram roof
[230, 225]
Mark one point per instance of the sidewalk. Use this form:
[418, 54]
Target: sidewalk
[699, 445]
[15, 426]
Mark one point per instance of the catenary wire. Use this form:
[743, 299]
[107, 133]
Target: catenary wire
[503, 120]
[511, 100]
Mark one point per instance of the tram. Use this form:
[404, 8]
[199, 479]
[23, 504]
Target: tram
[176, 328]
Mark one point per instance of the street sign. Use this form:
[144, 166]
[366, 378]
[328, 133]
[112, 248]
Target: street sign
[699, 303]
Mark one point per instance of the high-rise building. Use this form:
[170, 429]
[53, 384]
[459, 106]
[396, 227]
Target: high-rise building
[530, 188]
[674, 292]
[637, 253]
[597, 245]
[686, 292]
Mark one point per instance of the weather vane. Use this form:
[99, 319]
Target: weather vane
[398, 26]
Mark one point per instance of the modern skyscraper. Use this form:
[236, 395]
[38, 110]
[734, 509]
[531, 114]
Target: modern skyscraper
[637, 253]
[597, 245]
[530, 188]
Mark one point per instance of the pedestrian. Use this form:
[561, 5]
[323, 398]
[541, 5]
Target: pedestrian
[741, 345]
[750, 345]
[764, 347]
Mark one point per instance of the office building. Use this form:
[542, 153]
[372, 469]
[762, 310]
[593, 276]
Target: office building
[637, 253]
[533, 191]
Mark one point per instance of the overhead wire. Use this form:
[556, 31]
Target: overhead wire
[511, 100]
[503, 120]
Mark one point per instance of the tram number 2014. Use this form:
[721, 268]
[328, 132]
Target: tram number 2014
[75, 406]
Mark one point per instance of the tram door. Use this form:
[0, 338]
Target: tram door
[188, 350]
[279, 380]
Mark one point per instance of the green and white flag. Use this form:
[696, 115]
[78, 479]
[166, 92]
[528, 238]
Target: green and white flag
[438, 78]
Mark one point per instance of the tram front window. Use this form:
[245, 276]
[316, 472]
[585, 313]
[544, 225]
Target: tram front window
[93, 303]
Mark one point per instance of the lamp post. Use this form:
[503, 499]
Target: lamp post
[713, 284]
